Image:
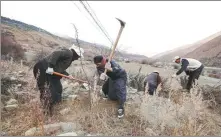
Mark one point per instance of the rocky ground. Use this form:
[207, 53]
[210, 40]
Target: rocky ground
[170, 112]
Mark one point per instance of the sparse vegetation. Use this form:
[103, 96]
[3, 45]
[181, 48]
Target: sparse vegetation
[10, 48]
[148, 61]
[170, 112]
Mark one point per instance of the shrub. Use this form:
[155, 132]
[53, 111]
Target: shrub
[144, 61]
[10, 48]
[215, 76]
[147, 61]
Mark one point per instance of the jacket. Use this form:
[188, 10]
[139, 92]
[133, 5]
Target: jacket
[153, 78]
[188, 64]
[117, 72]
[59, 60]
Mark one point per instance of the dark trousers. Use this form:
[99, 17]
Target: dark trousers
[151, 88]
[49, 86]
[116, 90]
[193, 75]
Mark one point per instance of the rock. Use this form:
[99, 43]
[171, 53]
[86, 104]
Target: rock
[69, 90]
[21, 72]
[65, 85]
[65, 96]
[13, 78]
[12, 102]
[47, 129]
[19, 85]
[86, 86]
[132, 90]
[91, 135]
[80, 133]
[72, 97]
[83, 90]
[3, 134]
[52, 127]
[20, 75]
[31, 132]
[11, 107]
[141, 93]
[68, 127]
[68, 134]
[64, 111]
[76, 84]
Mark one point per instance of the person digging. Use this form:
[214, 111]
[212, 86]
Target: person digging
[114, 87]
[192, 67]
[151, 82]
[48, 84]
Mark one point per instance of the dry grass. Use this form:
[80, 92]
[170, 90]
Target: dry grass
[184, 114]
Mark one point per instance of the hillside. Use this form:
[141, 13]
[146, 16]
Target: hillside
[33, 39]
[209, 53]
[181, 51]
[207, 50]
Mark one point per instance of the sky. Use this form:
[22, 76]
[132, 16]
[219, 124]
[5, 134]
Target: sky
[151, 27]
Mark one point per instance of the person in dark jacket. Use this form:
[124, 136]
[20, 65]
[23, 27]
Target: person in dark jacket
[193, 68]
[48, 84]
[115, 86]
[151, 82]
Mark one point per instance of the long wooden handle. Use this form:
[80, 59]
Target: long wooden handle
[116, 42]
[62, 75]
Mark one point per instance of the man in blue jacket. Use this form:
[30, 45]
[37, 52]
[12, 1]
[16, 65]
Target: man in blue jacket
[115, 86]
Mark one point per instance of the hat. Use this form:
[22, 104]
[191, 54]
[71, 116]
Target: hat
[78, 50]
[175, 58]
[156, 71]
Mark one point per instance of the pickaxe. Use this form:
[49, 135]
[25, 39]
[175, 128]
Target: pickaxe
[65, 76]
[122, 23]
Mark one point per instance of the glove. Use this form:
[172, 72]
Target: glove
[50, 70]
[108, 66]
[174, 75]
[103, 76]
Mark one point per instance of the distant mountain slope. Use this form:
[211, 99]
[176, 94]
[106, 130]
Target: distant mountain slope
[209, 53]
[206, 49]
[35, 39]
[21, 25]
[209, 49]
[181, 51]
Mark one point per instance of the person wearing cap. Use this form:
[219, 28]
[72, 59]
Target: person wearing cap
[152, 81]
[114, 87]
[192, 67]
[57, 61]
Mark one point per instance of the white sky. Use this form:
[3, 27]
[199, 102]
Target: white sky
[151, 26]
